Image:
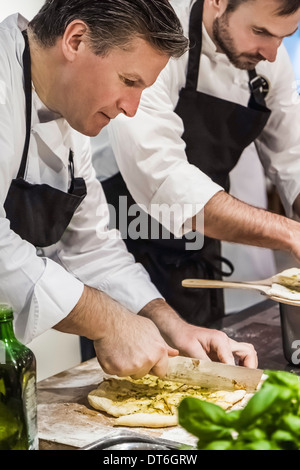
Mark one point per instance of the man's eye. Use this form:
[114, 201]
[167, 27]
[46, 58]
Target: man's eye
[128, 82]
[258, 32]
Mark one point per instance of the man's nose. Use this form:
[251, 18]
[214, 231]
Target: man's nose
[269, 52]
[129, 103]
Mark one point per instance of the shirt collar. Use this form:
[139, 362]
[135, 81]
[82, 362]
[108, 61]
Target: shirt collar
[208, 44]
[52, 129]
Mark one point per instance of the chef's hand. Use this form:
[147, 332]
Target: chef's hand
[133, 346]
[198, 342]
[125, 343]
[204, 343]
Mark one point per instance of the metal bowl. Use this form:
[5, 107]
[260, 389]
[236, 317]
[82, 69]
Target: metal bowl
[290, 328]
[123, 440]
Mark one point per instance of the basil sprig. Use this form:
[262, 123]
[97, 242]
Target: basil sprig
[269, 421]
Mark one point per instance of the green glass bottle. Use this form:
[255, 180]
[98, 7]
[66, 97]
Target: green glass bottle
[18, 404]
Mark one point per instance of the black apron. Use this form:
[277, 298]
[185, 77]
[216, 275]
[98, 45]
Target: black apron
[37, 212]
[216, 132]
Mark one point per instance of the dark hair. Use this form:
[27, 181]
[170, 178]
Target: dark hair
[113, 23]
[285, 8]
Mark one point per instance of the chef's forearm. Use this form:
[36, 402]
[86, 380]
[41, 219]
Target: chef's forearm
[164, 317]
[158, 310]
[91, 314]
[228, 219]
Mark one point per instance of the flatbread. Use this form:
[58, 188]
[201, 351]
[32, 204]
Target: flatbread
[288, 278]
[286, 284]
[151, 402]
[289, 293]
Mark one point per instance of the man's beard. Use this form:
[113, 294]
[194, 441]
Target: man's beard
[223, 39]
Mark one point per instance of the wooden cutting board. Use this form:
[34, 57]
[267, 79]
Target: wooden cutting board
[67, 421]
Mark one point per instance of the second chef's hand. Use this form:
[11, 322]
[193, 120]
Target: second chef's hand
[198, 342]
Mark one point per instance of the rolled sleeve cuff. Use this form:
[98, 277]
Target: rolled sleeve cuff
[193, 189]
[133, 290]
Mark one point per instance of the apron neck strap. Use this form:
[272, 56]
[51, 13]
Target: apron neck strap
[28, 103]
[28, 100]
[195, 37]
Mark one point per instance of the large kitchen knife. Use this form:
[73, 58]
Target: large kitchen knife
[215, 375]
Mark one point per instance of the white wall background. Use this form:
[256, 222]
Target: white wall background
[28, 8]
[54, 351]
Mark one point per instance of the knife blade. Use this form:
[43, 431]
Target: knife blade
[209, 374]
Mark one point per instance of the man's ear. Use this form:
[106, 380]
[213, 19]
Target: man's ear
[219, 6]
[72, 40]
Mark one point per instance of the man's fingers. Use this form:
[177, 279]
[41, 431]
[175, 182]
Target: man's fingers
[246, 354]
[160, 367]
[219, 348]
[172, 352]
[225, 355]
[231, 351]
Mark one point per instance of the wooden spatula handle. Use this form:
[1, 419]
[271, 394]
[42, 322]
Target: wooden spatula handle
[220, 284]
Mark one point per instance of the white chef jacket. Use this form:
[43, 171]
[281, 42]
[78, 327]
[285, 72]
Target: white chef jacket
[150, 152]
[42, 289]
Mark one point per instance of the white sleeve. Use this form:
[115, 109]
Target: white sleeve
[279, 144]
[151, 153]
[98, 256]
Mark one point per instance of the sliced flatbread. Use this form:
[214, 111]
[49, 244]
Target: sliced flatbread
[286, 284]
[289, 293]
[147, 420]
[288, 278]
[151, 402]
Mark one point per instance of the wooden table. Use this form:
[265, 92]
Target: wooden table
[66, 420]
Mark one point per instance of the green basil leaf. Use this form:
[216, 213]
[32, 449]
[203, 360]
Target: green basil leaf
[269, 421]
[285, 440]
[259, 404]
[257, 445]
[217, 445]
[232, 417]
[255, 434]
[291, 423]
[284, 379]
[205, 420]
[207, 431]
[202, 410]
[282, 435]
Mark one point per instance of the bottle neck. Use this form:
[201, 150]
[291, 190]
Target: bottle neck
[7, 330]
